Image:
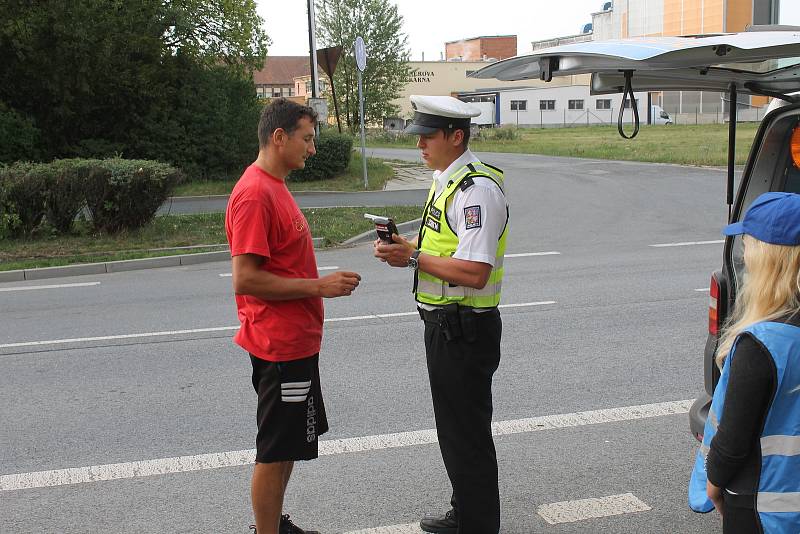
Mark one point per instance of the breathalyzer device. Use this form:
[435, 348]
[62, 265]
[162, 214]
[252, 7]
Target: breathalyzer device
[384, 226]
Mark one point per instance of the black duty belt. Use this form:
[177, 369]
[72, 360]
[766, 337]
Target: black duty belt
[454, 320]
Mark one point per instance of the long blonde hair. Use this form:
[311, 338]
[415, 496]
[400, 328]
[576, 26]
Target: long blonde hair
[771, 289]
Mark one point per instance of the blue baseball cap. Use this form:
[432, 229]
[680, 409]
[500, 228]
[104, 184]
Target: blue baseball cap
[772, 218]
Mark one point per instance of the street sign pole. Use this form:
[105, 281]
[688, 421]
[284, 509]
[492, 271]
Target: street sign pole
[312, 45]
[361, 63]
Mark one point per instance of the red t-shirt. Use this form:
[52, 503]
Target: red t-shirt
[263, 219]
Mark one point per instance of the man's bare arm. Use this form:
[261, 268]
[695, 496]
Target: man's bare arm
[249, 279]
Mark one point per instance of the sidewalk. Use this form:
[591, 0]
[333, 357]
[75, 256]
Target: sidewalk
[408, 176]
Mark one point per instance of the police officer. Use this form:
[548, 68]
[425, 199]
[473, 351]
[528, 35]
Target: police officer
[457, 259]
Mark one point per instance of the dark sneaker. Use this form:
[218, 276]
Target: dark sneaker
[446, 524]
[253, 528]
[287, 527]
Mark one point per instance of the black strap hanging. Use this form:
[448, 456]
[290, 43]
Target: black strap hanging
[634, 106]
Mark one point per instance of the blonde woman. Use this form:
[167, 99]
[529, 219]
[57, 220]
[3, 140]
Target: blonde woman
[751, 472]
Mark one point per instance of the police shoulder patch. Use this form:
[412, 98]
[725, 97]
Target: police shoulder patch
[472, 216]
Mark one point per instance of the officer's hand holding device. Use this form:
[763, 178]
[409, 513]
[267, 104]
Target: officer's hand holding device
[384, 226]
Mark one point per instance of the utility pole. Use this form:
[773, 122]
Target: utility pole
[312, 45]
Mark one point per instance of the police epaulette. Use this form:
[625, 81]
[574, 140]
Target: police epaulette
[493, 167]
[466, 183]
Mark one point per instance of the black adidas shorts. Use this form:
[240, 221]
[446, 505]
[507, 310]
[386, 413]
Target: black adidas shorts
[290, 414]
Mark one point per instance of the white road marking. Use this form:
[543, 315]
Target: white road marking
[409, 528]
[54, 286]
[183, 464]
[327, 268]
[580, 510]
[223, 328]
[689, 243]
[527, 254]
[111, 338]
[703, 289]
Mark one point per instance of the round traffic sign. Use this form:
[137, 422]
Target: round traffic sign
[361, 54]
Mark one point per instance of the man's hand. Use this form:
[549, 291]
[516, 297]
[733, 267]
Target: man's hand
[396, 254]
[715, 494]
[338, 284]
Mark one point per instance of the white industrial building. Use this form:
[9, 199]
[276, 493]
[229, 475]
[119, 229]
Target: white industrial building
[570, 105]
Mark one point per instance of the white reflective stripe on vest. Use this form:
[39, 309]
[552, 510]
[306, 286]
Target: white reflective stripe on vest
[704, 450]
[712, 417]
[781, 446]
[446, 290]
[778, 502]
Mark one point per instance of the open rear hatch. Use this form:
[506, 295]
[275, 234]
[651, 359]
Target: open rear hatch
[763, 61]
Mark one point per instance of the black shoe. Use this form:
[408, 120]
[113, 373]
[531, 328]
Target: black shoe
[445, 524]
[287, 527]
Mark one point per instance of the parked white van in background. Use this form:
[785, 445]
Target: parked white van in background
[659, 116]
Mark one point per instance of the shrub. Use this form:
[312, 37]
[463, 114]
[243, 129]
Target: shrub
[505, 133]
[22, 193]
[125, 194]
[64, 196]
[333, 156]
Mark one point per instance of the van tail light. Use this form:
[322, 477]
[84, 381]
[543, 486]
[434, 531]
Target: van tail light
[713, 307]
[795, 146]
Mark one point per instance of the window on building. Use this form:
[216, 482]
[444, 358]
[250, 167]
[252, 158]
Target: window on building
[628, 103]
[547, 104]
[519, 105]
[575, 104]
[603, 103]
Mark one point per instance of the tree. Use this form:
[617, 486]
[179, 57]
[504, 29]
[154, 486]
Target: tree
[98, 78]
[378, 22]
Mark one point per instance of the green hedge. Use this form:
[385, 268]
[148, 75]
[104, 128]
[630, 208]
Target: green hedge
[119, 194]
[333, 156]
[125, 194]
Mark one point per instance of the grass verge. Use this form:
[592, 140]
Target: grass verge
[705, 144]
[162, 237]
[352, 179]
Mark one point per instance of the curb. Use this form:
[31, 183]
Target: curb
[369, 236]
[119, 266]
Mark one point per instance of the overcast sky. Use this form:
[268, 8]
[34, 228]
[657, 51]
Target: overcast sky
[431, 23]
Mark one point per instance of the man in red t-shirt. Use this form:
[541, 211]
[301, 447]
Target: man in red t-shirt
[279, 300]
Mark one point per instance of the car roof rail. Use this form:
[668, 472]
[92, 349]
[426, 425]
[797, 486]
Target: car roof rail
[772, 28]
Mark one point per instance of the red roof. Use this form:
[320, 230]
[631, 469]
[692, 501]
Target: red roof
[282, 70]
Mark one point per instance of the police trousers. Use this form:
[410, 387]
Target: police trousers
[461, 363]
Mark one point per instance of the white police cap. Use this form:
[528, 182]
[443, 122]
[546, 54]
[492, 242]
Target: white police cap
[432, 113]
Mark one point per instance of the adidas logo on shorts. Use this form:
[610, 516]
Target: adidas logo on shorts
[295, 391]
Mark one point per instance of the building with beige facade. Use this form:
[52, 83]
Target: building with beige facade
[449, 78]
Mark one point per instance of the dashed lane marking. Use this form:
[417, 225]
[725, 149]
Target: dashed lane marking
[703, 289]
[583, 509]
[53, 286]
[183, 464]
[528, 254]
[223, 328]
[689, 243]
[409, 528]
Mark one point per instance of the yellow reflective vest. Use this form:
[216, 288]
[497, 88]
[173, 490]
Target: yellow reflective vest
[437, 238]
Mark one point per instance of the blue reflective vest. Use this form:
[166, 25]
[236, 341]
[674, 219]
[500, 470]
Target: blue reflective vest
[778, 496]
